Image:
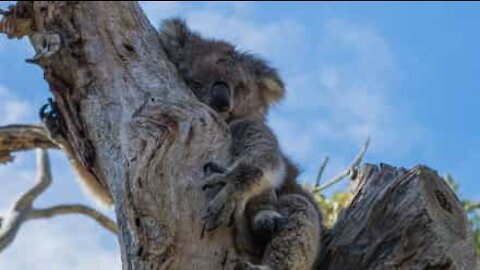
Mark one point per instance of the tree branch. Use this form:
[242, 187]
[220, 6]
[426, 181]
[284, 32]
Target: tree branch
[320, 172]
[20, 138]
[470, 206]
[350, 171]
[20, 209]
[103, 220]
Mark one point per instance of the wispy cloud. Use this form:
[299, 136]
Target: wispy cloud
[13, 109]
[346, 97]
[61, 243]
[232, 21]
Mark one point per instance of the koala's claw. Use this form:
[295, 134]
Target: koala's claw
[212, 167]
[241, 264]
[219, 210]
[214, 181]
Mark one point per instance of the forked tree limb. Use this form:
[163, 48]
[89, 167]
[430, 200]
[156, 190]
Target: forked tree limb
[22, 209]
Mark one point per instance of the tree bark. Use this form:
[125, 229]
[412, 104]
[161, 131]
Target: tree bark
[400, 219]
[134, 125]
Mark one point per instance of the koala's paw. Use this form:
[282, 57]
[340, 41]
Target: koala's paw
[241, 264]
[267, 223]
[212, 168]
[221, 208]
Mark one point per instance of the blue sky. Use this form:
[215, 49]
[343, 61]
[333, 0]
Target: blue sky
[404, 73]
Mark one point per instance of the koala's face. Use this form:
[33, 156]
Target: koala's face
[217, 77]
[232, 83]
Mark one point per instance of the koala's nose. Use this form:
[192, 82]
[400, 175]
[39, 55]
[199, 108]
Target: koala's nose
[220, 96]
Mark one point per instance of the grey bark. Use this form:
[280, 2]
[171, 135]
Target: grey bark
[400, 219]
[133, 124]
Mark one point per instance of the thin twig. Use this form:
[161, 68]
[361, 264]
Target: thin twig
[349, 171]
[320, 172]
[103, 220]
[472, 206]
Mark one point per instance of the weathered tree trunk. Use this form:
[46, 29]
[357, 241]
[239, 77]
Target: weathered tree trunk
[134, 125]
[400, 219]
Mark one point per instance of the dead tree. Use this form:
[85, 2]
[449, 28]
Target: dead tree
[135, 126]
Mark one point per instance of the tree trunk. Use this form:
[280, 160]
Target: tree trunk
[400, 219]
[134, 125]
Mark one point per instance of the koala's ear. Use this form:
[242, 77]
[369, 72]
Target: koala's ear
[266, 77]
[175, 36]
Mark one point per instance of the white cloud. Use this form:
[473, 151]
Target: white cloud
[15, 179]
[345, 98]
[12, 109]
[233, 22]
[61, 243]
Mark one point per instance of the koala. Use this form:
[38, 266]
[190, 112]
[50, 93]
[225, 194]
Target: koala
[276, 221]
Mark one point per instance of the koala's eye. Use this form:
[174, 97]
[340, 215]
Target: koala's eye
[240, 86]
[224, 61]
[196, 85]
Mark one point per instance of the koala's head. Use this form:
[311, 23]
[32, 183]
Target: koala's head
[233, 83]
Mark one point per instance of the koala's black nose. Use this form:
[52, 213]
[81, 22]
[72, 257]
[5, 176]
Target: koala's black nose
[220, 96]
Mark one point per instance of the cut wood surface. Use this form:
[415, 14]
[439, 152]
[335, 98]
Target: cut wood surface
[400, 219]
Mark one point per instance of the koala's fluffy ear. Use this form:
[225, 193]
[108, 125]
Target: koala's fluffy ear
[175, 36]
[266, 77]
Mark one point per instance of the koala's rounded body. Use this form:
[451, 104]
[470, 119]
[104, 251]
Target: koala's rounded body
[277, 223]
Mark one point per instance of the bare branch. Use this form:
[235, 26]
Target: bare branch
[20, 138]
[320, 172]
[349, 171]
[472, 206]
[21, 208]
[16, 22]
[103, 220]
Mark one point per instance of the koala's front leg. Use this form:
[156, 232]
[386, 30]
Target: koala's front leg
[238, 185]
[244, 265]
